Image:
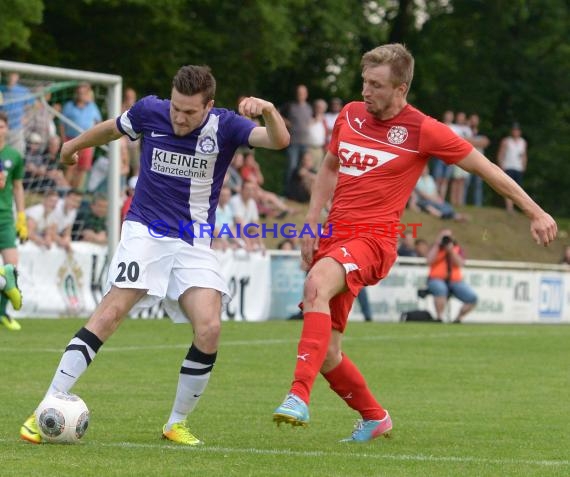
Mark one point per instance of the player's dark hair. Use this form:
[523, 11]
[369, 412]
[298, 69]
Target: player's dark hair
[4, 117]
[192, 79]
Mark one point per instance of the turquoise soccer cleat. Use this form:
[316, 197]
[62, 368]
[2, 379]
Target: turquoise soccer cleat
[292, 411]
[366, 430]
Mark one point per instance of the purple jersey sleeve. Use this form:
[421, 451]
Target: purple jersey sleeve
[132, 121]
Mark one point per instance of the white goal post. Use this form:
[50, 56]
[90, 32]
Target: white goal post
[114, 86]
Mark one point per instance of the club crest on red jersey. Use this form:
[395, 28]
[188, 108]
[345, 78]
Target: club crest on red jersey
[357, 160]
[397, 134]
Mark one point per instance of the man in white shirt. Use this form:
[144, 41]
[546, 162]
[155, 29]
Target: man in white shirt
[63, 216]
[246, 216]
[40, 230]
[512, 158]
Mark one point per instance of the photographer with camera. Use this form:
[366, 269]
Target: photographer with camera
[445, 259]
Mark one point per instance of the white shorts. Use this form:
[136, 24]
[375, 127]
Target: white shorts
[164, 266]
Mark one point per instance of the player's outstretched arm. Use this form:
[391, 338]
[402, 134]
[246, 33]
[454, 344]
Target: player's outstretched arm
[542, 226]
[98, 135]
[275, 134]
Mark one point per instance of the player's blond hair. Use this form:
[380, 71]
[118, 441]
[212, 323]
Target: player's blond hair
[397, 56]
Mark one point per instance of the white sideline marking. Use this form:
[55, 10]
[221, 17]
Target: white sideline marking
[292, 453]
[267, 342]
[379, 456]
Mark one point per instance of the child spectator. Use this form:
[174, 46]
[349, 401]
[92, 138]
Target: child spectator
[40, 231]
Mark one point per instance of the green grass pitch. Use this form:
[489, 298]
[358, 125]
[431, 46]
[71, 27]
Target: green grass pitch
[466, 400]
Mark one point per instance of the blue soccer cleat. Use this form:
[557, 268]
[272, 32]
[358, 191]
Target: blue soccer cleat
[292, 411]
[366, 430]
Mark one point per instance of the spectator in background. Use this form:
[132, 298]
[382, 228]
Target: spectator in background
[566, 256]
[422, 247]
[480, 142]
[446, 259]
[459, 176]
[303, 179]
[225, 223]
[40, 230]
[63, 217]
[11, 194]
[269, 204]
[34, 163]
[427, 199]
[16, 102]
[298, 115]
[317, 133]
[512, 158]
[40, 119]
[235, 181]
[133, 147]
[251, 170]
[244, 206]
[331, 115]
[441, 171]
[84, 114]
[54, 172]
[98, 177]
[130, 193]
[246, 212]
[407, 246]
[91, 222]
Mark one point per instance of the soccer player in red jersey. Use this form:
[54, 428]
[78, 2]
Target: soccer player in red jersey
[378, 149]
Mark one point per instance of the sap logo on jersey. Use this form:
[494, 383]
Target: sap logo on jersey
[357, 160]
[180, 165]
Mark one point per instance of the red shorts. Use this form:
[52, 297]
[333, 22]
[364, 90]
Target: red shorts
[85, 160]
[366, 261]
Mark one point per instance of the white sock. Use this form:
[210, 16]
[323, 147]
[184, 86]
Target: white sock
[192, 381]
[77, 356]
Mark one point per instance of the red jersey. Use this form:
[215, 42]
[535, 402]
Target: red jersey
[380, 163]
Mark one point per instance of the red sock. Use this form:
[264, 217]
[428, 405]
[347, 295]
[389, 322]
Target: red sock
[311, 352]
[347, 381]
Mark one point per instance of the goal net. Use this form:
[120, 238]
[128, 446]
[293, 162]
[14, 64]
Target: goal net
[37, 124]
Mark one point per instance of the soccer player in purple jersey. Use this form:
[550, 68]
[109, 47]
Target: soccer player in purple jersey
[187, 146]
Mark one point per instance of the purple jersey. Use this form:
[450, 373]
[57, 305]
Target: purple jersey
[181, 176]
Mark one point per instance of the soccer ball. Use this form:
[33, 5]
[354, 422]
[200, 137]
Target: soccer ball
[62, 418]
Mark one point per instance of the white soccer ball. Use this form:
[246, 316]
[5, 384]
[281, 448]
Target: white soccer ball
[62, 418]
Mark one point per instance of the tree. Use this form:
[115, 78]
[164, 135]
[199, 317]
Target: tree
[17, 15]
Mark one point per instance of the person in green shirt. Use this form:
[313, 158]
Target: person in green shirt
[11, 191]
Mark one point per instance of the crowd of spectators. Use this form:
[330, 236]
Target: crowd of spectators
[66, 203]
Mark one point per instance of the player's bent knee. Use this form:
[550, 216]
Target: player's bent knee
[207, 335]
[316, 288]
